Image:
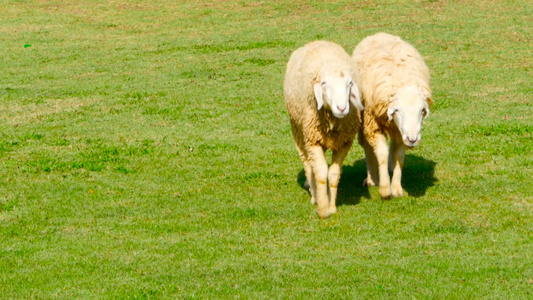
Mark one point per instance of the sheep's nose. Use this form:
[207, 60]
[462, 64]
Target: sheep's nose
[342, 109]
[412, 140]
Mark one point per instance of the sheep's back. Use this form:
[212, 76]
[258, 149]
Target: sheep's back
[385, 63]
[308, 123]
[303, 68]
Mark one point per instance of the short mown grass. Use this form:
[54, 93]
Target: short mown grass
[146, 152]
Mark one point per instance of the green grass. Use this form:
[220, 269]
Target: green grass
[145, 152]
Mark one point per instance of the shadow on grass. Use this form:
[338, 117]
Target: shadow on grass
[418, 175]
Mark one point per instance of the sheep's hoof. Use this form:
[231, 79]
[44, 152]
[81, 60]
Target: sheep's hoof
[313, 201]
[397, 191]
[332, 210]
[385, 192]
[324, 213]
[368, 182]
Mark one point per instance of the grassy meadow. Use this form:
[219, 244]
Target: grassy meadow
[145, 152]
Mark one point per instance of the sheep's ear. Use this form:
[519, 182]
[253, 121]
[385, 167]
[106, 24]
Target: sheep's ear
[390, 112]
[355, 97]
[317, 87]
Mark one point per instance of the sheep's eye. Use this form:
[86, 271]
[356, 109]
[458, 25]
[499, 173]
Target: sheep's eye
[423, 112]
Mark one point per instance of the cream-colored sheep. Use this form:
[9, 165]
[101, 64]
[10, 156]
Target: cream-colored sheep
[395, 88]
[323, 102]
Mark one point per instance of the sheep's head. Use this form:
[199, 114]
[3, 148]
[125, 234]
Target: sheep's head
[336, 89]
[408, 108]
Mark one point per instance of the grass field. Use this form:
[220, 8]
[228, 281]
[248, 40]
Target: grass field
[146, 152]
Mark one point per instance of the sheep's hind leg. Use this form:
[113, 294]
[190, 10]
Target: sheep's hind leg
[397, 155]
[318, 183]
[334, 176]
[371, 161]
[309, 181]
[381, 150]
[371, 167]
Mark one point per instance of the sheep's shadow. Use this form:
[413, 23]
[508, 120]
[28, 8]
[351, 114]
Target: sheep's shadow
[418, 175]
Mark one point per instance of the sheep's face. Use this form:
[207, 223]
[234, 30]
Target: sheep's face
[408, 108]
[336, 90]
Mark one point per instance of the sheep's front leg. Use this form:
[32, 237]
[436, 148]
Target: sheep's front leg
[381, 150]
[334, 176]
[318, 182]
[397, 155]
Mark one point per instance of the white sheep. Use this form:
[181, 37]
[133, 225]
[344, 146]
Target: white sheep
[323, 102]
[395, 88]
